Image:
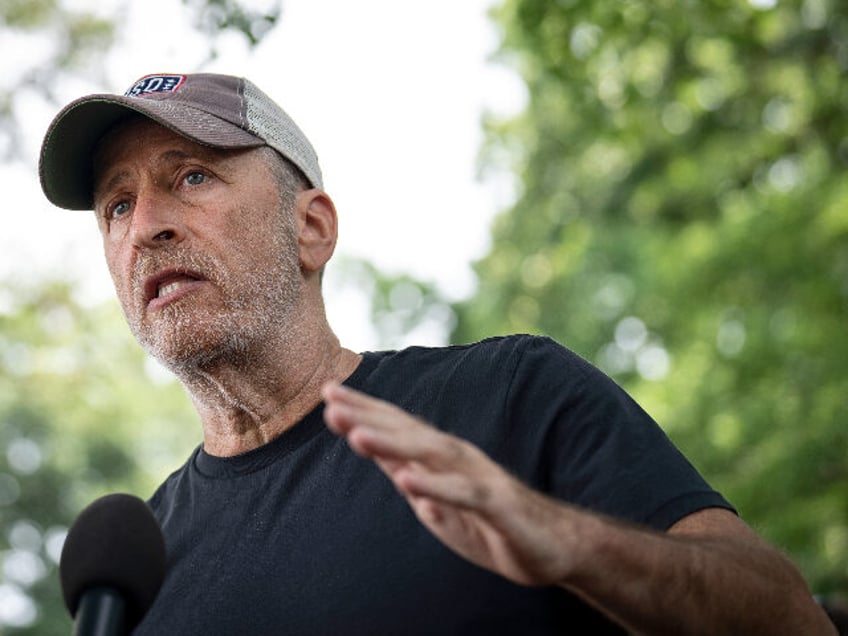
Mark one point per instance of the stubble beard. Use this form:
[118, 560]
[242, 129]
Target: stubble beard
[255, 309]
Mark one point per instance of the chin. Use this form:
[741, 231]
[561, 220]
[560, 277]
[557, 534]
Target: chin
[185, 338]
[184, 344]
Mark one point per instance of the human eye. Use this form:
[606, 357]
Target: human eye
[195, 178]
[117, 209]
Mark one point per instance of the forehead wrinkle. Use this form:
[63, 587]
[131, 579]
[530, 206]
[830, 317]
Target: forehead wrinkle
[165, 158]
[113, 182]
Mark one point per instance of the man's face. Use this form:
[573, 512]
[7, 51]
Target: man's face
[201, 247]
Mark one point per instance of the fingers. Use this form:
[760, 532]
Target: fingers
[347, 409]
[474, 506]
[422, 461]
[375, 428]
[454, 488]
[334, 392]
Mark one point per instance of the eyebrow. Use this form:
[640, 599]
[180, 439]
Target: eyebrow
[167, 156]
[113, 181]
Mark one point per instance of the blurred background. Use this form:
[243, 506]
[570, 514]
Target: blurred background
[660, 186]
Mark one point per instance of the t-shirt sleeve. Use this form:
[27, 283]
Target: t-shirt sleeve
[594, 447]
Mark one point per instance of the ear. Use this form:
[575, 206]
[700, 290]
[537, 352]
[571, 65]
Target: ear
[317, 226]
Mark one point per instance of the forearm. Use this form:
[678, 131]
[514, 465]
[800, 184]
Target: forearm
[710, 574]
[657, 583]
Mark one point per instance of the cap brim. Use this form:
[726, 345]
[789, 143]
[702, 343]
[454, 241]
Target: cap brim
[66, 165]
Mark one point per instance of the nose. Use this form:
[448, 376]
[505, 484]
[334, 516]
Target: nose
[156, 220]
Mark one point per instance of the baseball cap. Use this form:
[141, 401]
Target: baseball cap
[220, 111]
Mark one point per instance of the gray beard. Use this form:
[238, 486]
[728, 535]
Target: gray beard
[189, 339]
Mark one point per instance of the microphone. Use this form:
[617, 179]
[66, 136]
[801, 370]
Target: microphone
[112, 565]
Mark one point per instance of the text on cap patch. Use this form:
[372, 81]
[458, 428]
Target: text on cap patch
[155, 84]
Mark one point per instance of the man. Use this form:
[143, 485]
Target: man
[501, 487]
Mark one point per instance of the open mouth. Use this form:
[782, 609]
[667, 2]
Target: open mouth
[168, 284]
[172, 286]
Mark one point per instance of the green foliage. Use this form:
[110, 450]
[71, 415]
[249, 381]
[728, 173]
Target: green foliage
[74, 36]
[82, 413]
[402, 309]
[215, 16]
[683, 223]
[26, 14]
[76, 42]
[67, 40]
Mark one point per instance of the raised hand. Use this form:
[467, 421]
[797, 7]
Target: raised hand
[710, 574]
[465, 499]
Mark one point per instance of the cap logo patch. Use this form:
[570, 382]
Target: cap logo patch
[156, 84]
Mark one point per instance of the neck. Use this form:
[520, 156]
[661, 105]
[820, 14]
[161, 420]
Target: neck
[243, 406]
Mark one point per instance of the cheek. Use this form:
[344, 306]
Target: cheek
[118, 269]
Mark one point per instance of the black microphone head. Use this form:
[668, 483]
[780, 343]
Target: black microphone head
[117, 543]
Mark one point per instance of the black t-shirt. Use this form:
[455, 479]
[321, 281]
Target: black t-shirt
[302, 536]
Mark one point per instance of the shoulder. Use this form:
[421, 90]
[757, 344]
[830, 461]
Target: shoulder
[481, 381]
[493, 351]
[498, 361]
[493, 361]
